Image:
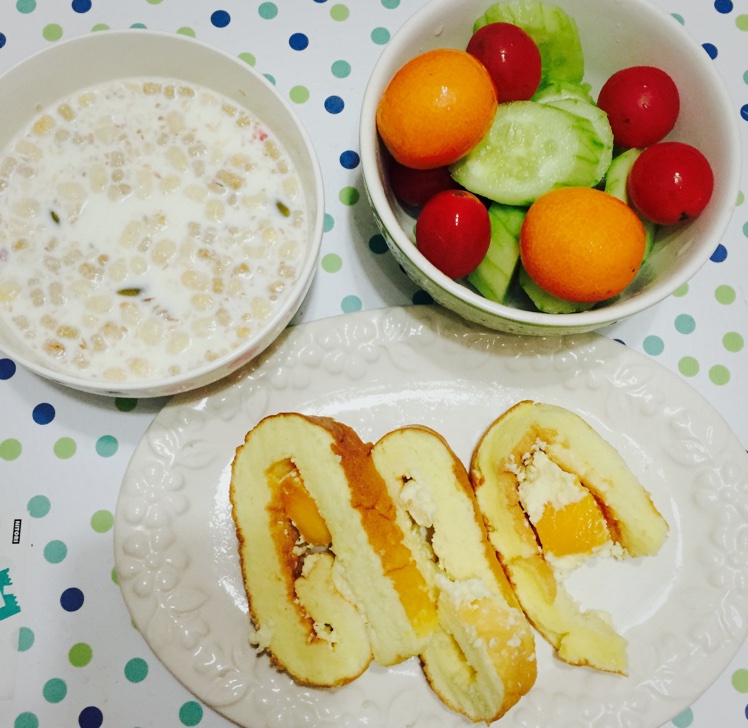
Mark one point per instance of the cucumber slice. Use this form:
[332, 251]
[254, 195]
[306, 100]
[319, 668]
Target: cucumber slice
[530, 149]
[546, 302]
[599, 120]
[557, 90]
[615, 184]
[554, 31]
[495, 273]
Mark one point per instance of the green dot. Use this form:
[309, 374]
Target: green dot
[719, 374]
[684, 719]
[136, 670]
[191, 713]
[154, 2]
[299, 94]
[331, 263]
[125, 404]
[741, 194]
[377, 244]
[26, 720]
[185, 30]
[733, 341]
[115, 576]
[380, 36]
[102, 521]
[52, 32]
[138, 25]
[688, 366]
[653, 345]
[270, 78]
[349, 195]
[339, 12]
[80, 654]
[329, 223]
[65, 448]
[38, 506]
[350, 304]
[740, 680]
[55, 552]
[725, 294]
[54, 690]
[106, 446]
[26, 6]
[685, 324]
[267, 11]
[10, 449]
[341, 69]
[25, 639]
[98, 27]
[742, 22]
[390, 4]
[681, 290]
[248, 58]
[679, 18]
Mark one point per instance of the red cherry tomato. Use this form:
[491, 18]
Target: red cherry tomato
[642, 103]
[670, 182]
[453, 232]
[511, 57]
[414, 187]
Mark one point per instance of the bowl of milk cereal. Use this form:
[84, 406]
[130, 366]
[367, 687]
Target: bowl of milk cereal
[161, 212]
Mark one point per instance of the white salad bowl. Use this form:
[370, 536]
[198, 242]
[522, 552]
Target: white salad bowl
[615, 34]
[68, 67]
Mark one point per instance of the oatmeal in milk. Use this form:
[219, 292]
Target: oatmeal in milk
[147, 227]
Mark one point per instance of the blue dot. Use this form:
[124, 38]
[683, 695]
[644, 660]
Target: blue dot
[334, 104]
[723, 6]
[377, 244]
[268, 10]
[351, 303]
[298, 41]
[349, 159]
[220, 18]
[81, 6]
[71, 599]
[7, 368]
[90, 717]
[653, 345]
[719, 255]
[43, 413]
[422, 298]
[744, 112]
[710, 49]
[685, 324]
[2, 39]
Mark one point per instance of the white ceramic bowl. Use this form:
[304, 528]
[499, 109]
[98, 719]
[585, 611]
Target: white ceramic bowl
[69, 66]
[615, 34]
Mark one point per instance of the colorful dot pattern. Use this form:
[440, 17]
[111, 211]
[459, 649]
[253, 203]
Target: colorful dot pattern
[80, 662]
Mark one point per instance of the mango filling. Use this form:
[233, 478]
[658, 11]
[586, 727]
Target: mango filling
[298, 505]
[576, 528]
[567, 519]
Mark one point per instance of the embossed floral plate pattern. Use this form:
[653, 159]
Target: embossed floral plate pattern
[683, 611]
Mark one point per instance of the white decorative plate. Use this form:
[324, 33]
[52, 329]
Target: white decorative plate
[683, 611]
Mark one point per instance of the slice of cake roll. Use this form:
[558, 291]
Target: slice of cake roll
[329, 580]
[554, 493]
[481, 660]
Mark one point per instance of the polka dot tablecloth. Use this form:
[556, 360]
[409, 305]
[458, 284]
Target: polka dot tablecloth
[75, 658]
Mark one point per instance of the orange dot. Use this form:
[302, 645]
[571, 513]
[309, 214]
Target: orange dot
[581, 244]
[436, 108]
